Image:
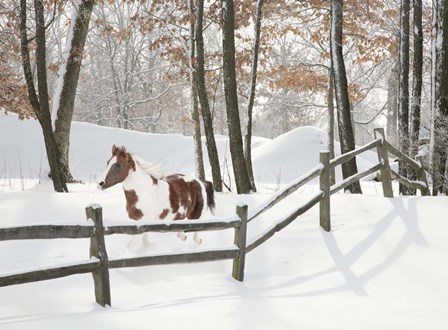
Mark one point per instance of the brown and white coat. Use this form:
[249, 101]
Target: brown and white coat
[151, 196]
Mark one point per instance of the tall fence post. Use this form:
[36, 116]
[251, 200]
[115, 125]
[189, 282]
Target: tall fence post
[98, 250]
[385, 169]
[324, 182]
[240, 241]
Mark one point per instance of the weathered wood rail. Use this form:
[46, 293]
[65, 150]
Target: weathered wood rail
[99, 263]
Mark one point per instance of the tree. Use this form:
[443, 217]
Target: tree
[440, 104]
[403, 91]
[330, 104]
[123, 71]
[199, 159]
[417, 78]
[68, 76]
[343, 104]
[253, 84]
[40, 100]
[392, 104]
[242, 181]
[203, 99]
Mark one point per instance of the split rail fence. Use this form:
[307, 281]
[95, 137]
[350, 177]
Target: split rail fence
[99, 263]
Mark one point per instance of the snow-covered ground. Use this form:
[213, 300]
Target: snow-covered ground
[383, 266]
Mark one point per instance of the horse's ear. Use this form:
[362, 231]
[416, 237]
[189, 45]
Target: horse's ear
[114, 149]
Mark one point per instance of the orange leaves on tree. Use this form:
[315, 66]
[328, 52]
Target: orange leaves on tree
[298, 77]
[13, 91]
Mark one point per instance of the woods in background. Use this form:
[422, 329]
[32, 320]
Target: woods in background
[231, 67]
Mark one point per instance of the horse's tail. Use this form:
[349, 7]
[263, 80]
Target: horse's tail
[210, 196]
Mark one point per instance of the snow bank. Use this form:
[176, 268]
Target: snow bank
[276, 162]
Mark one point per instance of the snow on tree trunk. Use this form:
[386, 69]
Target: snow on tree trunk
[346, 135]
[330, 105]
[199, 159]
[68, 76]
[392, 104]
[203, 99]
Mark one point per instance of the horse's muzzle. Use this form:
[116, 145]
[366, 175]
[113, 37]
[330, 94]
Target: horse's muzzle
[101, 185]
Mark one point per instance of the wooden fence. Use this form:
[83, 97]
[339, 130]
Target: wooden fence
[99, 263]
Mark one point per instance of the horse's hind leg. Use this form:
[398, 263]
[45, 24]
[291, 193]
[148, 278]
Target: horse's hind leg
[181, 235]
[145, 239]
[197, 239]
[132, 242]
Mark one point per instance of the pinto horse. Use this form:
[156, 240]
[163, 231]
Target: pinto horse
[151, 196]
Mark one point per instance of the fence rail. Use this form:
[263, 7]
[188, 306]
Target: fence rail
[50, 273]
[99, 263]
[45, 232]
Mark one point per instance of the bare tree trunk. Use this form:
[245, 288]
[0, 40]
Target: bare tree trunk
[41, 104]
[242, 180]
[441, 100]
[64, 98]
[330, 104]
[199, 159]
[392, 105]
[203, 99]
[403, 92]
[417, 77]
[346, 135]
[248, 140]
[416, 86]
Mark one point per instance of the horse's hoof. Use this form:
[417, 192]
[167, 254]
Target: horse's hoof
[181, 236]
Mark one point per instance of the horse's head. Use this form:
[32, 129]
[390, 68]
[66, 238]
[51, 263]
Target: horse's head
[118, 167]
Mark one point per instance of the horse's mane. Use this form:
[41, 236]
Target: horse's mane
[150, 168]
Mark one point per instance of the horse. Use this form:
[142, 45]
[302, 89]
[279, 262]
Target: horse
[152, 196]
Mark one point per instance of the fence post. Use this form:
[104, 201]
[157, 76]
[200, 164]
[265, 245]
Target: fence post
[421, 176]
[240, 241]
[324, 182]
[385, 169]
[98, 250]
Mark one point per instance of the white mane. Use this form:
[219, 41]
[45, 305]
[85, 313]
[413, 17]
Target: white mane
[150, 168]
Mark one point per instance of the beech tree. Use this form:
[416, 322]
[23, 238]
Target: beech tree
[203, 99]
[199, 159]
[68, 76]
[346, 136]
[253, 84]
[403, 91]
[417, 81]
[392, 104]
[301, 78]
[242, 181]
[39, 99]
[34, 92]
[125, 76]
[440, 102]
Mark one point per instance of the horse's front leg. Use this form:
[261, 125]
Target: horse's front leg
[197, 239]
[181, 235]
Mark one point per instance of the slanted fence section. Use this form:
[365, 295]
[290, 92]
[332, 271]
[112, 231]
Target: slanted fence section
[99, 262]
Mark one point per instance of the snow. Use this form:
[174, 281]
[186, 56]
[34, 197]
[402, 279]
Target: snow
[383, 265]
